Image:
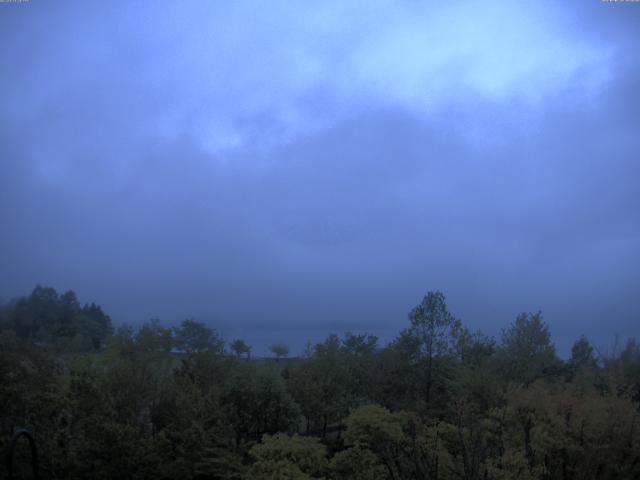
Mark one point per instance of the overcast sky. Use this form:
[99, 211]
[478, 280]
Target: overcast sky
[284, 170]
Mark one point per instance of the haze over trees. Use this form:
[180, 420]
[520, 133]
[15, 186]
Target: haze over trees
[280, 350]
[438, 402]
[239, 347]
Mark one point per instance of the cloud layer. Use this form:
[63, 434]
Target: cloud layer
[301, 171]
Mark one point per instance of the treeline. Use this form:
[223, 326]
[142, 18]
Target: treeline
[438, 402]
[46, 318]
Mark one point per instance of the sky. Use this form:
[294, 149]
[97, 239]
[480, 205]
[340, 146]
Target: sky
[286, 170]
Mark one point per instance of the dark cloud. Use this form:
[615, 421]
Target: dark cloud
[157, 168]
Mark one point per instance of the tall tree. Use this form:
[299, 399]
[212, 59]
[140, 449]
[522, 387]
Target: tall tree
[194, 337]
[431, 335]
[582, 355]
[240, 348]
[526, 350]
[280, 350]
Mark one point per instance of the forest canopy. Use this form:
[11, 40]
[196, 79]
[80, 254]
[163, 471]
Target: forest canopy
[438, 402]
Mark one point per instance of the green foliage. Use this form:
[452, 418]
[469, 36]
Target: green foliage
[402, 444]
[256, 402]
[363, 345]
[439, 402]
[281, 456]
[48, 318]
[240, 348]
[526, 351]
[280, 350]
[276, 470]
[376, 429]
[357, 463]
[583, 358]
[432, 325]
[418, 367]
[567, 433]
[195, 337]
[324, 385]
[621, 373]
